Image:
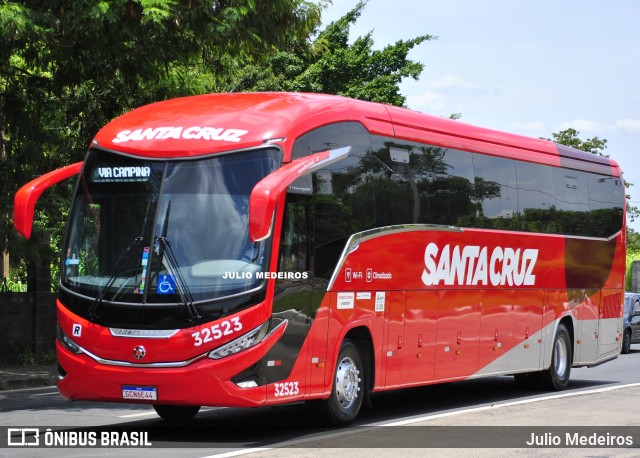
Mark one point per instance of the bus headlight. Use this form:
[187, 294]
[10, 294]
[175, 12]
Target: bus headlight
[67, 342]
[243, 342]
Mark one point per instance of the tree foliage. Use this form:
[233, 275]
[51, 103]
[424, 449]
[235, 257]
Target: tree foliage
[570, 137]
[68, 67]
[330, 64]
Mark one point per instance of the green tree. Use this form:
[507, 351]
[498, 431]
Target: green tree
[569, 137]
[633, 245]
[329, 64]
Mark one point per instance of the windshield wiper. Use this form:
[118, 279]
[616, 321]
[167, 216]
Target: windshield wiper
[174, 266]
[93, 310]
[183, 289]
[136, 242]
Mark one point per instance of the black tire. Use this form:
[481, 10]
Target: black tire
[557, 376]
[348, 390]
[176, 413]
[626, 342]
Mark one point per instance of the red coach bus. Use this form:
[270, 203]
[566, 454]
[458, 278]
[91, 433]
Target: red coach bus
[258, 249]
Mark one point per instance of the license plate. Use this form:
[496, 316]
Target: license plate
[140, 393]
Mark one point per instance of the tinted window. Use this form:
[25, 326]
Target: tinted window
[344, 202]
[572, 202]
[536, 200]
[495, 191]
[394, 177]
[333, 136]
[343, 197]
[449, 197]
[435, 186]
[295, 238]
[606, 195]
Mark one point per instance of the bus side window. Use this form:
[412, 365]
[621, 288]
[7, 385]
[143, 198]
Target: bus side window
[333, 136]
[572, 202]
[295, 235]
[606, 197]
[495, 192]
[536, 198]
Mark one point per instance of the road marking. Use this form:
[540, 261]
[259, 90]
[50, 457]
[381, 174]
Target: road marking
[141, 414]
[510, 404]
[55, 393]
[241, 452]
[373, 426]
[153, 412]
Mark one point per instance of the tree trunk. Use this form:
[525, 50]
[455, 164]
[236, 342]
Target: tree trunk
[39, 270]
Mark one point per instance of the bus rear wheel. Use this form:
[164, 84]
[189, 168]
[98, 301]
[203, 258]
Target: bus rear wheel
[557, 376]
[176, 413]
[347, 393]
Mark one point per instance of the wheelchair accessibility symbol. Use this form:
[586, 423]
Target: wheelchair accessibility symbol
[166, 285]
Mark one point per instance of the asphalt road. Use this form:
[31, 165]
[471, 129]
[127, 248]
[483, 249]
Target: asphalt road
[473, 414]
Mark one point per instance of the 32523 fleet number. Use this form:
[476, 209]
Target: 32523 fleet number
[286, 389]
[217, 331]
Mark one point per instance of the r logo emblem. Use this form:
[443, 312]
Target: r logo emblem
[76, 330]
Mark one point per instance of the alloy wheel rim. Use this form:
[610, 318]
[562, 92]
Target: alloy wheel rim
[347, 382]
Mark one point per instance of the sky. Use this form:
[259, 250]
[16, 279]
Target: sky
[530, 67]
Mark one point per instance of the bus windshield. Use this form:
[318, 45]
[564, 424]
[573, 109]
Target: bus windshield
[150, 231]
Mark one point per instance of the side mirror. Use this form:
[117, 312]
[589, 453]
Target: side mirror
[265, 194]
[24, 202]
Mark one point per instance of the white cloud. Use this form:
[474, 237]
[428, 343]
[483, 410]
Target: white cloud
[427, 102]
[452, 82]
[582, 125]
[631, 126]
[527, 126]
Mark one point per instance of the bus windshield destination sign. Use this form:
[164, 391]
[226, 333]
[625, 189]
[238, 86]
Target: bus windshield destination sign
[122, 173]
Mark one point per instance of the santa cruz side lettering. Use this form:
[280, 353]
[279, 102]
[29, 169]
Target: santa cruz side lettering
[475, 265]
[186, 133]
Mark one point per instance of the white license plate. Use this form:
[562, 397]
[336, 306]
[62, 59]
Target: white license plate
[140, 393]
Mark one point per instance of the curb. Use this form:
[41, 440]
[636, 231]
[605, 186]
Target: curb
[17, 377]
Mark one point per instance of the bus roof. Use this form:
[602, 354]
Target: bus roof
[206, 124]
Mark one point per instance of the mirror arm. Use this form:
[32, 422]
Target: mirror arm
[24, 202]
[265, 194]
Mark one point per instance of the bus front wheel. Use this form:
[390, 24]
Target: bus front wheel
[347, 393]
[176, 413]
